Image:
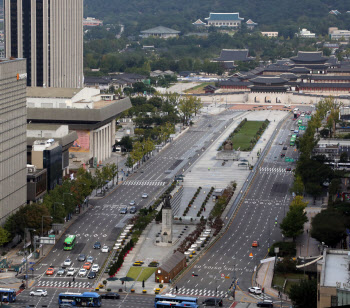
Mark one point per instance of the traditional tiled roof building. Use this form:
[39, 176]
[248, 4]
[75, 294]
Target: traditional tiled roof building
[251, 24]
[231, 20]
[228, 57]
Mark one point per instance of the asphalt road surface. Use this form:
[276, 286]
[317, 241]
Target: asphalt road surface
[265, 204]
[103, 222]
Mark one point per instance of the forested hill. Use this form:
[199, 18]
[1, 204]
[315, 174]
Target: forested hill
[179, 14]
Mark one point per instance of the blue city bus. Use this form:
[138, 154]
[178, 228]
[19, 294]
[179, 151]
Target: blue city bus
[166, 304]
[7, 295]
[174, 299]
[86, 299]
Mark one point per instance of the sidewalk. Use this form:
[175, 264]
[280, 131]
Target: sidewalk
[264, 280]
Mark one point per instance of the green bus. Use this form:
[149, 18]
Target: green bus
[300, 122]
[69, 242]
[292, 141]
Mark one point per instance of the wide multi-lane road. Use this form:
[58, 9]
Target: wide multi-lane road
[103, 221]
[266, 202]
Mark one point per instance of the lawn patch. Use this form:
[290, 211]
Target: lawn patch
[146, 273]
[247, 134]
[134, 272]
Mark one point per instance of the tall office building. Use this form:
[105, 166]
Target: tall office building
[13, 138]
[49, 34]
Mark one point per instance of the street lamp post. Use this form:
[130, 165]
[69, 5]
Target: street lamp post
[42, 232]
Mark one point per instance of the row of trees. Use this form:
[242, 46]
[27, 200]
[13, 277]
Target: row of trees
[311, 174]
[58, 204]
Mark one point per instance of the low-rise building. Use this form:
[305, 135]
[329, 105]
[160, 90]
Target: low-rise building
[270, 34]
[86, 111]
[230, 20]
[306, 34]
[337, 34]
[170, 268]
[333, 271]
[92, 22]
[160, 32]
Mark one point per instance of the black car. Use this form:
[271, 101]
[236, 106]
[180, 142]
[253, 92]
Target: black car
[285, 148]
[132, 210]
[265, 303]
[81, 257]
[111, 295]
[97, 245]
[213, 302]
[92, 275]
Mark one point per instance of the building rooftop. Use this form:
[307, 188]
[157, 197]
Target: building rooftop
[224, 16]
[335, 270]
[170, 263]
[269, 80]
[234, 55]
[309, 56]
[160, 30]
[52, 92]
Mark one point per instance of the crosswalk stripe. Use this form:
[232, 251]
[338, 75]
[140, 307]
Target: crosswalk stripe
[144, 183]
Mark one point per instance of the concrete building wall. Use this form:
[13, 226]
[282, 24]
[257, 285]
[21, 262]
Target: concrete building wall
[60, 40]
[13, 140]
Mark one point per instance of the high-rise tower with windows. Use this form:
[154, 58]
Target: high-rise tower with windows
[49, 34]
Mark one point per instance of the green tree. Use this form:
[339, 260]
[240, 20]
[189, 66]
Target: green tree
[298, 204]
[197, 105]
[344, 157]
[129, 162]
[126, 142]
[304, 294]
[5, 236]
[292, 224]
[114, 172]
[328, 226]
[298, 186]
[187, 108]
[137, 151]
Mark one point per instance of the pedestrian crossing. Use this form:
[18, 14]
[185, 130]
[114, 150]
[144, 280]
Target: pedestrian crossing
[197, 292]
[273, 170]
[144, 183]
[261, 296]
[64, 284]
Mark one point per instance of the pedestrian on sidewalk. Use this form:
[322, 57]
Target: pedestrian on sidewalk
[307, 231]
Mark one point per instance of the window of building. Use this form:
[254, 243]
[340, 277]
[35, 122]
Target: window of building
[334, 301]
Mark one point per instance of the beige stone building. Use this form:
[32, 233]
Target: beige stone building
[86, 111]
[333, 287]
[49, 34]
[13, 120]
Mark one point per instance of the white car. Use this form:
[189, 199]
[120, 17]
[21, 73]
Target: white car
[67, 262]
[254, 290]
[95, 268]
[132, 203]
[105, 249]
[70, 272]
[144, 196]
[82, 272]
[38, 293]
